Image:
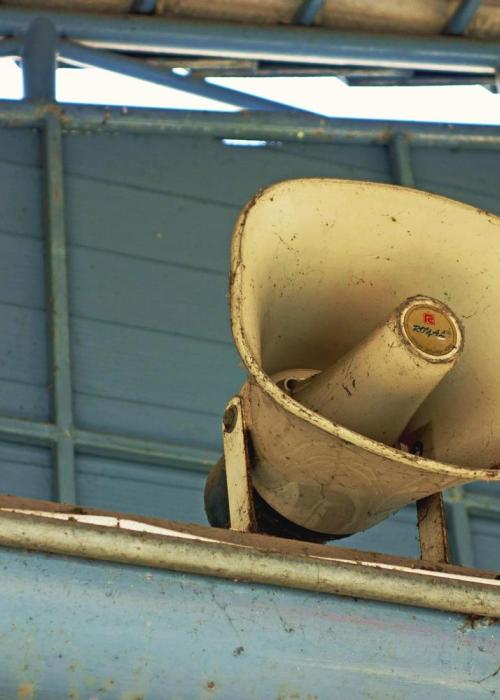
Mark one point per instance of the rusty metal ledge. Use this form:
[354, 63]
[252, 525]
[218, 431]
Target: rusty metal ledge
[127, 539]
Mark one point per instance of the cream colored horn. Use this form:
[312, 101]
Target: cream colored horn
[316, 266]
[376, 387]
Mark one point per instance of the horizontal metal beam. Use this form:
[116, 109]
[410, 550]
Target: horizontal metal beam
[144, 451]
[27, 432]
[153, 452]
[262, 560]
[270, 126]
[10, 47]
[284, 44]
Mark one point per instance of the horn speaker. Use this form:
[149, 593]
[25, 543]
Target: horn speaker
[368, 318]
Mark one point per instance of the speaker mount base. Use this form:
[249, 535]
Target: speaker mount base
[431, 519]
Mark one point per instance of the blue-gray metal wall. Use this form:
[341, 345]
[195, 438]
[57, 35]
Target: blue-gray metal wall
[149, 219]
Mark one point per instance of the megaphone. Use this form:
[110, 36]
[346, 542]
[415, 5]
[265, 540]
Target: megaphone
[368, 318]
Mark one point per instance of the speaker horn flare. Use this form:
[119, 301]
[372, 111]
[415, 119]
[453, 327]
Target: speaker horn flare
[318, 268]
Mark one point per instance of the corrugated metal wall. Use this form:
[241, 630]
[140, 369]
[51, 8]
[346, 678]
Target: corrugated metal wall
[149, 220]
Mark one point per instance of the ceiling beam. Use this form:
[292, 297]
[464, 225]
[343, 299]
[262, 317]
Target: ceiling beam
[284, 44]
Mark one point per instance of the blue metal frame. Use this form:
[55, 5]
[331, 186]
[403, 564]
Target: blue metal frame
[39, 110]
[39, 59]
[271, 126]
[284, 44]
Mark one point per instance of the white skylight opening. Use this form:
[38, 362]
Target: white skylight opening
[326, 96]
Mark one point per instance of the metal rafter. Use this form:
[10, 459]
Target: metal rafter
[272, 126]
[284, 44]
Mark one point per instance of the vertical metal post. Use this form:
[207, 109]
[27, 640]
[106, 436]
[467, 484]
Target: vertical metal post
[39, 58]
[58, 307]
[238, 468]
[431, 522]
[400, 155]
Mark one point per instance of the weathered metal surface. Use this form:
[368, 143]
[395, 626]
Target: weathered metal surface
[74, 531]
[238, 467]
[431, 522]
[79, 629]
[250, 125]
[316, 469]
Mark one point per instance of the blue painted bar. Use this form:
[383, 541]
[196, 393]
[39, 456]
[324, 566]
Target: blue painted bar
[39, 60]
[59, 307]
[145, 451]
[400, 155]
[10, 47]
[462, 17]
[80, 629]
[286, 126]
[283, 44]
[107, 60]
